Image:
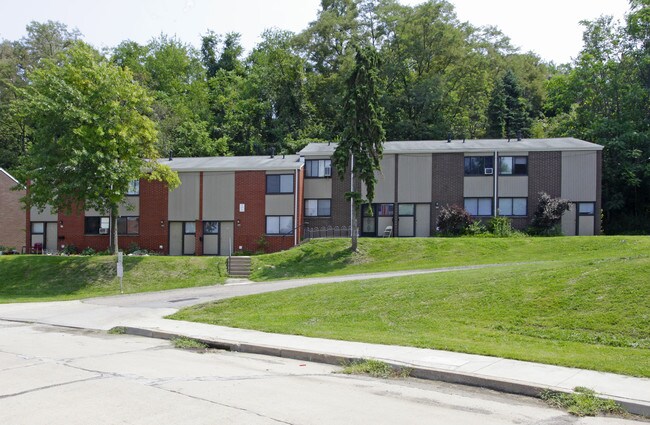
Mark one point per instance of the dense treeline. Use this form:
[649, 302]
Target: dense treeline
[437, 75]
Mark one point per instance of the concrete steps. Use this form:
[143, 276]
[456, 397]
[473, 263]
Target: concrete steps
[239, 266]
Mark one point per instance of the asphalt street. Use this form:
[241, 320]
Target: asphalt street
[55, 375]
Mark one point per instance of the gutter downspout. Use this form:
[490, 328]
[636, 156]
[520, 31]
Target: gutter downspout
[496, 183]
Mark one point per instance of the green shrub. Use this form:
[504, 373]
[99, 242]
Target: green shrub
[500, 226]
[477, 228]
[133, 247]
[70, 249]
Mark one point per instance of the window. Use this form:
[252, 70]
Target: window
[189, 228]
[210, 227]
[513, 207]
[279, 225]
[134, 188]
[586, 208]
[480, 207]
[318, 207]
[128, 225]
[513, 165]
[96, 225]
[38, 228]
[318, 168]
[479, 165]
[406, 210]
[385, 210]
[279, 183]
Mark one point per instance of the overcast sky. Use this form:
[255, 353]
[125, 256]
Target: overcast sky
[550, 28]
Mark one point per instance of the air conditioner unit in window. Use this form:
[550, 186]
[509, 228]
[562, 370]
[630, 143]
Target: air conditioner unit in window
[103, 231]
[489, 171]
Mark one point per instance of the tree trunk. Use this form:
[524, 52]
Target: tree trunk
[114, 247]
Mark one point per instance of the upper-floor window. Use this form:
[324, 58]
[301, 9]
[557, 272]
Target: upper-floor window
[513, 165]
[318, 168]
[318, 207]
[279, 183]
[134, 188]
[479, 165]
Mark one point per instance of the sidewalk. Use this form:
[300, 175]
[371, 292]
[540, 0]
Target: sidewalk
[510, 376]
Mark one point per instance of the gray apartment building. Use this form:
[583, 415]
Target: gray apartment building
[486, 177]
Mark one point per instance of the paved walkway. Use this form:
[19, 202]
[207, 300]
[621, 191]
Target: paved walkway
[143, 314]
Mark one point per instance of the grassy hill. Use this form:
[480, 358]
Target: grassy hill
[47, 278]
[586, 304]
[331, 257]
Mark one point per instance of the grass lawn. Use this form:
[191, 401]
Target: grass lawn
[48, 278]
[588, 306]
[330, 257]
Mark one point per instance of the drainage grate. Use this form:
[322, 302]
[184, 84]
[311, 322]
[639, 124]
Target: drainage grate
[181, 300]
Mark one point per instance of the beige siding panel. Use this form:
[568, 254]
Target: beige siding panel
[586, 225]
[513, 186]
[211, 244]
[175, 238]
[382, 223]
[184, 200]
[218, 196]
[579, 176]
[226, 233]
[569, 221]
[406, 226]
[46, 215]
[130, 207]
[318, 188]
[423, 220]
[189, 247]
[279, 205]
[385, 187]
[414, 180]
[51, 234]
[478, 187]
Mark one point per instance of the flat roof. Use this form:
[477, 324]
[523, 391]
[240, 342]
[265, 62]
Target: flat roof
[469, 145]
[234, 163]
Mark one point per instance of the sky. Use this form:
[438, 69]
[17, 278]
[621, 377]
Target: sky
[550, 28]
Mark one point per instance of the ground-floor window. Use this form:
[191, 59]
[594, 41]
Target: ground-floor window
[586, 208]
[189, 228]
[128, 225]
[279, 224]
[96, 225]
[210, 227]
[479, 207]
[513, 207]
[38, 228]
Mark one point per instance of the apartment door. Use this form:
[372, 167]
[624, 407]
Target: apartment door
[51, 237]
[423, 220]
[176, 238]
[211, 237]
[406, 218]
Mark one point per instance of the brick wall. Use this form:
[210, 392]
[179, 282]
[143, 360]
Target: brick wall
[544, 175]
[12, 216]
[447, 184]
[250, 225]
[153, 232]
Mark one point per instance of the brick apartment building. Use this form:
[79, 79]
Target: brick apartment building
[12, 218]
[235, 204]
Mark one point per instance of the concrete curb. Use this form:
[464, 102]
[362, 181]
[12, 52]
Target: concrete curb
[453, 377]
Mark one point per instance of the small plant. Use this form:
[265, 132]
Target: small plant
[476, 228]
[582, 402]
[88, 251]
[70, 249]
[262, 245]
[186, 343]
[500, 226]
[453, 220]
[375, 368]
[133, 247]
[548, 215]
[117, 330]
